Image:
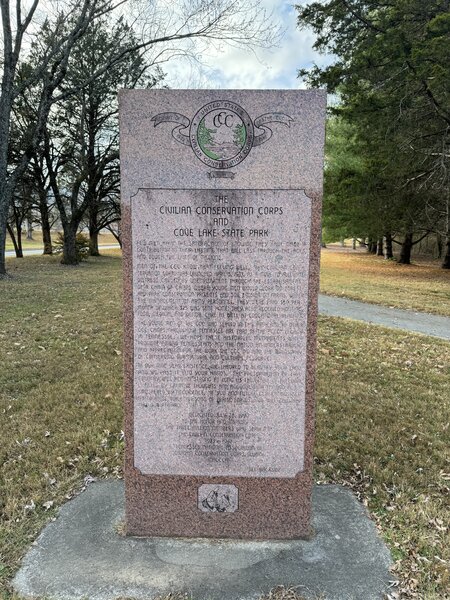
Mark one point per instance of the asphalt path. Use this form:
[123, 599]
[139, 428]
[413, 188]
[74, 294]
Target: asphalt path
[406, 320]
[376, 314]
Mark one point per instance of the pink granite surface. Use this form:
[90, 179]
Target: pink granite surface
[152, 158]
[220, 337]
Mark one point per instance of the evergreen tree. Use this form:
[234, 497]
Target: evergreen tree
[392, 77]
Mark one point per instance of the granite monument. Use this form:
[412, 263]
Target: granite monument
[221, 203]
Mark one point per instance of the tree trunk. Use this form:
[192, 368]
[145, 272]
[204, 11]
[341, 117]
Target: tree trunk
[17, 248]
[405, 251]
[439, 245]
[45, 223]
[380, 247]
[70, 249]
[446, 263]
[372, 246]
[47, 238]
[18, 238]
[5, 196]
[118, 236]
[342, 242]
[389, 253]
[2, 242]
[93, 229]
[29, 229]
[93, 243]
[354, 244]
[5, 119]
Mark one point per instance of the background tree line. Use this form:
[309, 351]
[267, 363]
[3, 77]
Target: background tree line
[387, 159]
[62, 64]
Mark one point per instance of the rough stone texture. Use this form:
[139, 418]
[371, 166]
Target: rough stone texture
[82, 555]
[153, 158]
[396, 318]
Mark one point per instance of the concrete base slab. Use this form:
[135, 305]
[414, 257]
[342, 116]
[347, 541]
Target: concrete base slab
[83, 555]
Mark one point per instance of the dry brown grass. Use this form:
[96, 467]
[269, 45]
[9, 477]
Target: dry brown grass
[382, 415]
[284, 593]
[423, 286]
[278, 593]
[60, 390]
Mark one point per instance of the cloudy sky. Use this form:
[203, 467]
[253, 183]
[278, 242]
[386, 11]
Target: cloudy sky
[268, 69]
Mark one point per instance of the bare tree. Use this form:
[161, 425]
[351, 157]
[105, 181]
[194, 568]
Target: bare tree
[49, 73]
[88, 129]
[44, 204]
[166, 30]
[19, 210]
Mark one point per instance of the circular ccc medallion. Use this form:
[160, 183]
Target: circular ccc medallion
[221, 134]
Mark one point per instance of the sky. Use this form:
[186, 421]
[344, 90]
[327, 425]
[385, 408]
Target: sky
[234, 68]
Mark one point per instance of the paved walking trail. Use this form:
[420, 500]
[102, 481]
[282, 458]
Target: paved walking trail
[376, 314]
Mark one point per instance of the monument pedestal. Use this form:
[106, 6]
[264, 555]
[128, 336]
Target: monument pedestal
[84, 554]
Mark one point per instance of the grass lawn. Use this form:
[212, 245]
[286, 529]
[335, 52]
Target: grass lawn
[423, 286]
[104, 239]
[382, 415]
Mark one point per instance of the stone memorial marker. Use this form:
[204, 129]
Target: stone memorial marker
[221, 200]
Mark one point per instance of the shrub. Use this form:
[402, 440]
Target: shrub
[81, 245]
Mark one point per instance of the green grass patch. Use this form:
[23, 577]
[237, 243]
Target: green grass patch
[382, 415]
[358, 275]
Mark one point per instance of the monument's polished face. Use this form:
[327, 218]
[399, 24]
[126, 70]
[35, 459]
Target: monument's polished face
[220, 305]
[221, 206]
